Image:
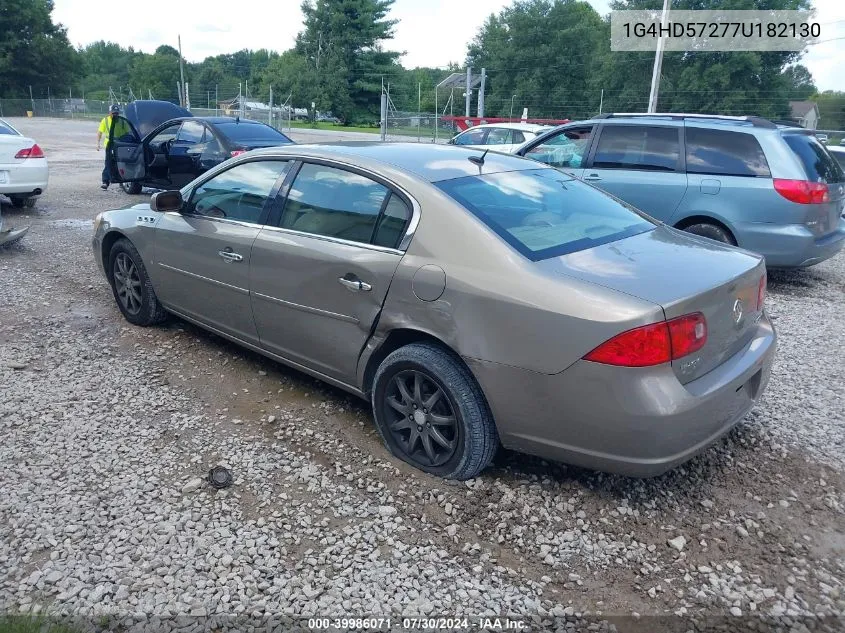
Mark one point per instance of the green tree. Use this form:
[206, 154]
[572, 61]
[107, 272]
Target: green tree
[831, 109]
[33, 50]
[157, 73]
[342, 42]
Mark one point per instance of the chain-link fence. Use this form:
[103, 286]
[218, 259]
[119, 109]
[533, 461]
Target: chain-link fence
[69, 108]
[417, 126]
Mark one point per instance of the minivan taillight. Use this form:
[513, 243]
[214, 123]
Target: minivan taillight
[653, 344]
[30, 152]
[802, 191]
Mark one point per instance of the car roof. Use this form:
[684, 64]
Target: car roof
[428, 161]
[524, 127]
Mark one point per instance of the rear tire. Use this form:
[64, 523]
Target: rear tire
[432, 414]
[132, 188]
[19, 202]
[712, 231]
[131, 286]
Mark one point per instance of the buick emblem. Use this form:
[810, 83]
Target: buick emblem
[738, 308]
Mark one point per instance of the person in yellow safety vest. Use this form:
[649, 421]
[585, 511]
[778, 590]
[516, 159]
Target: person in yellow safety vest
[120, 128]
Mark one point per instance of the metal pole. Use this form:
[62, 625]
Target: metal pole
[601, 100]
[31, 99]
[419, 109]
[658, 61]
[290, 110]
[270, 116]
[436, 115]
[181, 73]
[179, 90]
[481, 92]
[469, 90]
[216, 99]
[383, 116]
[187, 97]
[510, 116]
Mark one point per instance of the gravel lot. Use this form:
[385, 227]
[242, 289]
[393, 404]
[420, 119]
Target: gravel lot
[109, 430]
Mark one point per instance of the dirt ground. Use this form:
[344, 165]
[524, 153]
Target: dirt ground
[760, 513]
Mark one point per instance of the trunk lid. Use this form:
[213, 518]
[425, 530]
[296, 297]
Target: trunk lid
[10, 145]
[683, 274]
[820, 166]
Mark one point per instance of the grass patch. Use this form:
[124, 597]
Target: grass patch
[32, 624]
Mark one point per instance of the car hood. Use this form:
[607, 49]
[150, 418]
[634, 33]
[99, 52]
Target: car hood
[146, 115]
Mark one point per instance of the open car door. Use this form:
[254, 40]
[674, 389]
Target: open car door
[126, 151]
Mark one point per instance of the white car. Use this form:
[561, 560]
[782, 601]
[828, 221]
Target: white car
[838, 153]
[499, 137]
[23, 168]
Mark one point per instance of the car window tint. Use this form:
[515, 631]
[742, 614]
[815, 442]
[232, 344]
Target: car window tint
[392, 223]
[190, 132]
[517, 137]
[5, 129]
[238, 193]
[817, 161]
[723, 152]
[498, 136]
[544, 212]
[253, 132]
[471, 137]
[565, 149]
[333, 202]
[638, 147]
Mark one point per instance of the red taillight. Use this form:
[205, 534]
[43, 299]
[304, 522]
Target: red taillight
[688, 334]
[802, 191]
[761, 292]
[237, 152]
[653, 344]
[30, 152]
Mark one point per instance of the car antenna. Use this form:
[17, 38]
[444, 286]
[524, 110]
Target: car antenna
[478, 160]
[237, 118]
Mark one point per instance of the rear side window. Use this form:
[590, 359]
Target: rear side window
[255, 132]
[840, 158]
[471, 137]
[517, 137]
[498, 136]
[5, 129]
[544, 213]
[725, 153]
[638, 147]
[817, 161]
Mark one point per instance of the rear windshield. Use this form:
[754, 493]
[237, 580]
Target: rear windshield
[6, 129]
[544, 213]
[247, 132]
[817, 161]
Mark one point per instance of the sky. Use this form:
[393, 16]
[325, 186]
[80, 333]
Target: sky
[430, 32]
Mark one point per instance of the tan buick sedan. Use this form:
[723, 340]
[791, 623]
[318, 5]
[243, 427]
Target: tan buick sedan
[475, 299]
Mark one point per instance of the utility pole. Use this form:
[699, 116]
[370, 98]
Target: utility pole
[179, 91]
[181, 73]
[481, 92]
[270, 116]
[187, 97]
[32, 100]
[469, 90]
[658, 60]
[601, 100]
[510, 116]
[216, 98]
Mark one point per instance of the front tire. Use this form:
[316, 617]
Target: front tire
[131, 285]
[714, 232]
[132, 188]
[431, 413]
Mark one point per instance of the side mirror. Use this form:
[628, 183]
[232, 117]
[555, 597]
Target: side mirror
[166, 201]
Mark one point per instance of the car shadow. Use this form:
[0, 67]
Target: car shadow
[798, 282]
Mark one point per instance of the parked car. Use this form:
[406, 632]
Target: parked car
[500, 137]
[169, 147]
[745, 181]
[23, 168]
[838, 152]
[823, 138]
[470, 298]
[328, 117]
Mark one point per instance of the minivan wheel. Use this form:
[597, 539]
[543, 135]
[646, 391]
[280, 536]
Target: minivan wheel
[132, 188]
[431, 413]
[131, 285]
[714, 232]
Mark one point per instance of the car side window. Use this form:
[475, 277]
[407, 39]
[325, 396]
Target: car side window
[641, 147]
[725, 153]
[238, 193]
[567, 148]
[191, 132]
[517, 137]
[498, 136]
[471, 137]
[392, 223]
[334, 202]
[167, 134]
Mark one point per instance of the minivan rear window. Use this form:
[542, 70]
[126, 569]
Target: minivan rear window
[545, 213]
[818, 163]
[724, 153]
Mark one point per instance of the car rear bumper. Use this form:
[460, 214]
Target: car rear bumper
[24, 177]
[633, 421]
[791, 245]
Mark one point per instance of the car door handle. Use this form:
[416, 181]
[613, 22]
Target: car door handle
[229, 256]
[354, 285]
[592, 177]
